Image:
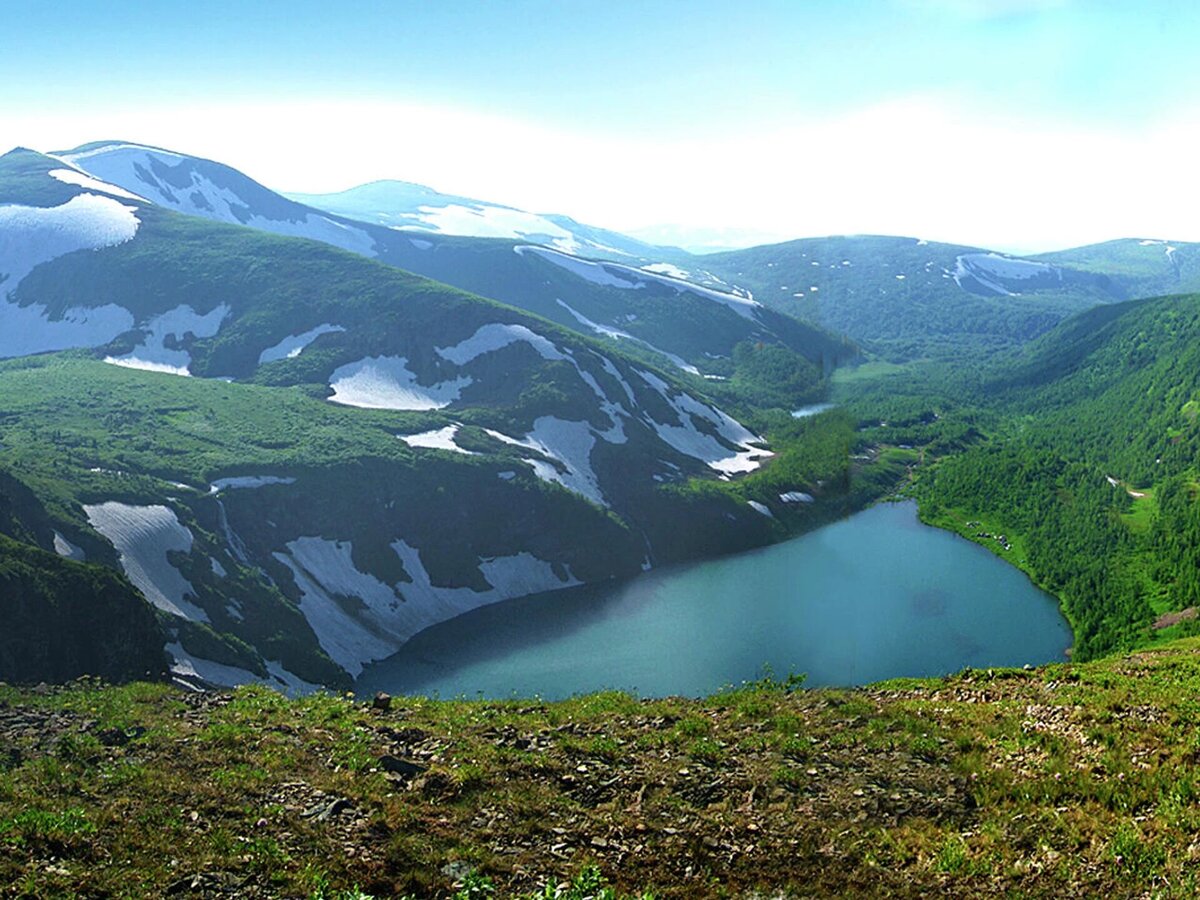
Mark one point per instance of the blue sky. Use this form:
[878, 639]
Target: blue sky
[674, 99]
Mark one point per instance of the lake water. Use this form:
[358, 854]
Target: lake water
[877, 595]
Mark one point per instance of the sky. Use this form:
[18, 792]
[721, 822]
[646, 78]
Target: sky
[1021, 125]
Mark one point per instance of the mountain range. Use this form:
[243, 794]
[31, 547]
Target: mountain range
[303, 436]
[301, 456]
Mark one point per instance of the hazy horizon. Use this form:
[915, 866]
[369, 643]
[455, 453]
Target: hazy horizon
[1018, 125]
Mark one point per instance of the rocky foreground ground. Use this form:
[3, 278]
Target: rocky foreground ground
[1070, 780]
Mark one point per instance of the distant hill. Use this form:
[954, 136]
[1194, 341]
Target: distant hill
[414, 207]
[905, 298]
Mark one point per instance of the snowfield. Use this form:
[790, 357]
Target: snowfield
[691, 441]
[173, 182]
[387, 616]
[244, 482]
[495, 336]
[32, 235]
[63, 547]
[386, 382]
[571, 444]
[618, 334]
[153, 355]
[80, 179]
[143, 536]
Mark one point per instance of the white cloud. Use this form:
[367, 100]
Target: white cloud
[921, 167]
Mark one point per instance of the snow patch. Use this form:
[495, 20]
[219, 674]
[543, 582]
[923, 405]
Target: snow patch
[796, 497]
[186, 666]
[570, 443]
[83, 180]
[439, 439]
[63, 547]
[618, 334]
[154, 356]
[31, 236]
[385, 382]
[626, 277]
[760, 508]
[143, 536]
[990, 269]
[175, 182]
[667, 269]
[359, 619]
[495, 336]
[293, 345]
[702, 445]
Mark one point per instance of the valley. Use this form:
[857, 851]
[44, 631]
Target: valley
[304, 456]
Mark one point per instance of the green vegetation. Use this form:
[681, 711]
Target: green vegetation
[1070, 780]
[1074, 460]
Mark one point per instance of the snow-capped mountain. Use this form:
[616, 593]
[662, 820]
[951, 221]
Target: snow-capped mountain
[414, 207]
[301, 457]
[656, 306]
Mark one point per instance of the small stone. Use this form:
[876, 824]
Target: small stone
[382, 702]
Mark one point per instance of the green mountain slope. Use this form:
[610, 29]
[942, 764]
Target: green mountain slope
[908, 299]
[1091, 472]
[365, 452]
[675, 322]
[63, 619]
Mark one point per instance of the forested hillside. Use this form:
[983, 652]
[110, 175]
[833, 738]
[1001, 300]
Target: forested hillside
[1085, 462]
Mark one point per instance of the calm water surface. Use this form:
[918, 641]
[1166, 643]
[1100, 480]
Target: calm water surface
[878, 595]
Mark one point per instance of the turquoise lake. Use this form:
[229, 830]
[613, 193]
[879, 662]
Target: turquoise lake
[874, 596]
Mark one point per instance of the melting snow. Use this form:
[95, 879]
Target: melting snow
[603, 274]
[439, 439]
[796, 497]
[616, 333]
[495, 336]
[385, 382]
[292, 346]
[667, 269]
[83, 180]
[63, 547]
[989, 268]
[154, 355]
[187, 666]
[385, 617]
[30, 236]
[689, 440]
[133, 167]
[571, 444]
[143, 536]
[760, 508]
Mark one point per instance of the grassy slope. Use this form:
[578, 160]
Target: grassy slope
[1070, 780]
[923, 314]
